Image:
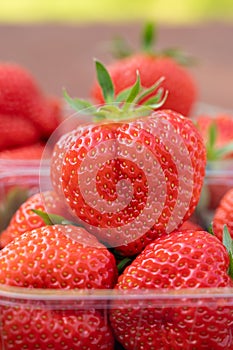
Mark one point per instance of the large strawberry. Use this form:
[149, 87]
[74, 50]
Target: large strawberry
[25, 219]
[224, 215]
[158, 320]
[57, 256]
[36, 327]
[152, 66]
[130, 180]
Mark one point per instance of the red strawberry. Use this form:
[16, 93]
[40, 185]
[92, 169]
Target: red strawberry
[152, 66]
[190, 225]
[57, 256]
[224, 215]
[25, 219]
[184, 259]
[217, 132]
[16, 131]
[22, 98]
[35, 327]
[34, 151]
[130, 181]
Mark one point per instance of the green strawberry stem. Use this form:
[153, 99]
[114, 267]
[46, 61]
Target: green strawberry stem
[124, 105]
[121, 48]
[228, 243]
[148, 37]
[214, 153]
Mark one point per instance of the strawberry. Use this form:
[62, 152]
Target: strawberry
[224, 215]
[129, 180]
[190, 225]
[25, 219]
[28, 112]
[16, 131]
[57, 256]
[33, 151]
[35, 327]
[217, 132]
[184, 259]
[218, 138]
[152, 66]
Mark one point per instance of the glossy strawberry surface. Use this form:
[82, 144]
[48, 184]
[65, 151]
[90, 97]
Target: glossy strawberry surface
[131, 181]
[25, 219]
[57, 256]
[36, 327]
[185, 259]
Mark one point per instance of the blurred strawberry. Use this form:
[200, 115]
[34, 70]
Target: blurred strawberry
[30, 152]
[224, 215]
[181, 87]
[217, 133]
[23, 101]
[17, 131]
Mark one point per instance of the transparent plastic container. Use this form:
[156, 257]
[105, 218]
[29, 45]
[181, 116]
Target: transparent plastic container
[62, 319]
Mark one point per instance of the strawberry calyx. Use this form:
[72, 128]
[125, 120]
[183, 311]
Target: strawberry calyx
[121, 49]
[214, 152]
[124, 105]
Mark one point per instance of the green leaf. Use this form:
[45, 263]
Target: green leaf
[158, 104]
[53, 219]
[212, 134]
[105, 82]
[147, 91]
[134, 91]
[228, 243]
[223, 151]
[148, 37]
[120, 48]
[44, 216]
[78, 104]
[179, 56]
[123, 95]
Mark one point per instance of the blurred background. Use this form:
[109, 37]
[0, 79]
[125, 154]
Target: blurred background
[57, 39]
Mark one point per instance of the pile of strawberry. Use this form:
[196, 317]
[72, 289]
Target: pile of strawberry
[125, 187]
[27, 115]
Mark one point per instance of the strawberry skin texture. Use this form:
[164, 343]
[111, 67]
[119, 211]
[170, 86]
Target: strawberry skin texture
[25, 219]
[57, 256]
[184, 259]
[30, 327]
[224, 215]
[179, 83]
[92, 140]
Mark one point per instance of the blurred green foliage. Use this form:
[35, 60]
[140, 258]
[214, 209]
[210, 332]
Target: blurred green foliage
[168, 11]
